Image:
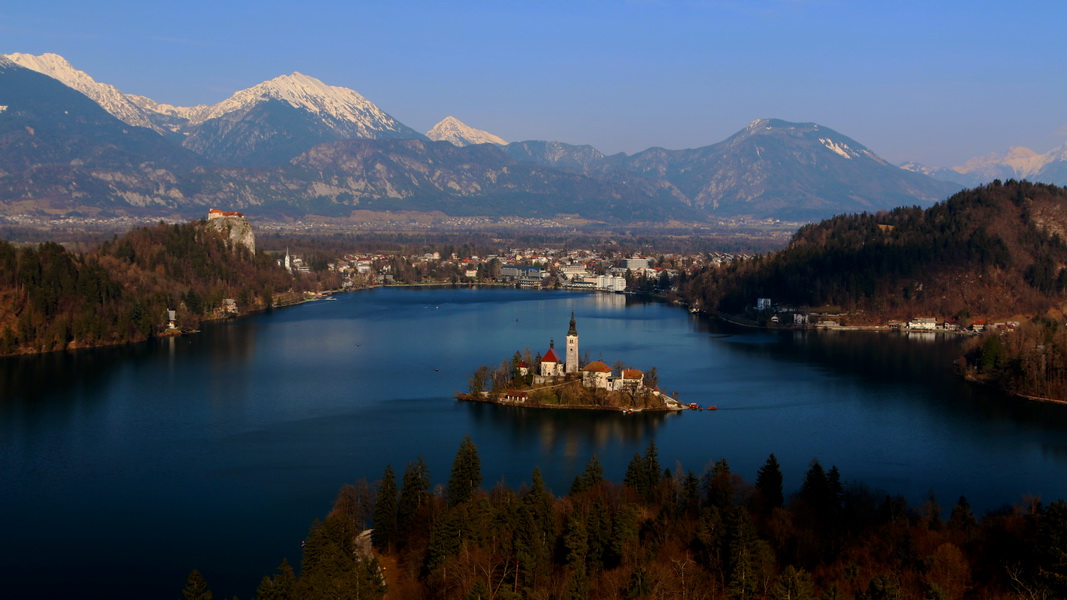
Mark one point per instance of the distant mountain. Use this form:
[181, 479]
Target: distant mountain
[107, 96]
[69, 144]
[472, 180]
[451, 129]
[61, 151]
[1017, 163]
[583, 159]
[272, 122]
[798, 171]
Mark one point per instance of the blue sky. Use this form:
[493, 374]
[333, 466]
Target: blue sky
[937, 82]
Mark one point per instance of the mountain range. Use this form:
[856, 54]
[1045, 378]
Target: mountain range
[294, 145]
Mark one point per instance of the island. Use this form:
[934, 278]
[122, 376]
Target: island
[547, 381]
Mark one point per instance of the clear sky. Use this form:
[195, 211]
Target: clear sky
[933, 81]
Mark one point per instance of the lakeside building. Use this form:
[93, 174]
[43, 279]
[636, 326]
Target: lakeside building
[595, 375]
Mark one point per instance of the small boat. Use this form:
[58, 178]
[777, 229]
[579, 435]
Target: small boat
[713, 407]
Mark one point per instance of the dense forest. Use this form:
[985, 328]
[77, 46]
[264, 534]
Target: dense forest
[1030, 360]
[52, 299]
[994, 251]
[667, 533]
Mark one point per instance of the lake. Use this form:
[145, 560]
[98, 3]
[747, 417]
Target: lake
[124, 468]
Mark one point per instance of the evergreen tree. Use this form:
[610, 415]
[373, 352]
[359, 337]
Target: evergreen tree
[962, 519]
[414, 494]
[279, 587]
[719, 485]
[1052, 548]
[576, 544]
[195, 587]
[636, 478]
[446, 538]
[742, 559]
[769, 484]
[384, 535]
[591, 477]
[466, 473]
[793, 584]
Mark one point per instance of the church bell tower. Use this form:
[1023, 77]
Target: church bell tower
[572, 347]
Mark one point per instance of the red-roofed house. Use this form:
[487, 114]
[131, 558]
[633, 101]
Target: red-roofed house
[596, 374]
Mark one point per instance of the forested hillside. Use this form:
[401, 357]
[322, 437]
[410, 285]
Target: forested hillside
[51, 299]
[667, 533]
[993, 251]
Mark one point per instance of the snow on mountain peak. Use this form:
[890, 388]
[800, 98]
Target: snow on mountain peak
[305, 92]
[107, 96]
[451, 129]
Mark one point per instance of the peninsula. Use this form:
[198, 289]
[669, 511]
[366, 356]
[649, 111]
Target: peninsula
[547, 381]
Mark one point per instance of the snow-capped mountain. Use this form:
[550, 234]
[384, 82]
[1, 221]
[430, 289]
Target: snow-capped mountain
[266, 124]
[107, 96]
[1017, 163]
[270, 123]
[451, 129]
[342, 108]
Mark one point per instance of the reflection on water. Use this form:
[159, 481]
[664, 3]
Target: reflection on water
[243, 433]
[579, 433]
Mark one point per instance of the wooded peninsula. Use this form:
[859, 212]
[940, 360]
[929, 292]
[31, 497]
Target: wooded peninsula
[666, 533]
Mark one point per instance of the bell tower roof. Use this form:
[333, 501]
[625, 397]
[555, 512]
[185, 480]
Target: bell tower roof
[574, 328]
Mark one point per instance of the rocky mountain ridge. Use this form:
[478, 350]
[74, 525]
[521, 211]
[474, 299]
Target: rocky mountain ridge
[294, 145]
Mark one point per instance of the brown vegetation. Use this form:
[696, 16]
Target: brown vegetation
[672, 534]
[52, 299]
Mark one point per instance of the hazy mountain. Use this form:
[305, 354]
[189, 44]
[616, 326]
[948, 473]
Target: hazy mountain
[785, 170]
[557, 154]
[1017, 163]
[472, 180]
[451, 129]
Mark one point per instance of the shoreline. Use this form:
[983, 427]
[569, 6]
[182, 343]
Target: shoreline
[461, 397]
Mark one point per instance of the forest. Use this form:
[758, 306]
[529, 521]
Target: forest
[54, 299]
[667, 533]
[1029, 361]
[994, 251]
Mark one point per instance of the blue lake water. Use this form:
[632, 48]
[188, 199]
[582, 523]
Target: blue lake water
[122, 469]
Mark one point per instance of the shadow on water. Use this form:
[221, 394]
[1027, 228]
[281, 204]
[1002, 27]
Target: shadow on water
[922, 366]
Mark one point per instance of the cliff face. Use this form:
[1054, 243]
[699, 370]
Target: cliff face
[236, 229]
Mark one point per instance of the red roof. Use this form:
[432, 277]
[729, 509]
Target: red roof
[597, 367]
[551, 356]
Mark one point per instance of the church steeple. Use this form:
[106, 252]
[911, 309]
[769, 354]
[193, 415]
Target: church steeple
[572, 347]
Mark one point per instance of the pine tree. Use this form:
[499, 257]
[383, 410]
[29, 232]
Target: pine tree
[279, 587]
[466, 473]
[576, 543]
[592, 476]
[741, 556]
[793, 584]
[636, 478]
[769, 484]
[195, 587]
[384, 534]
[414, 494]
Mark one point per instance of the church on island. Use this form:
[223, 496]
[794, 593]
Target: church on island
[595, 375]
